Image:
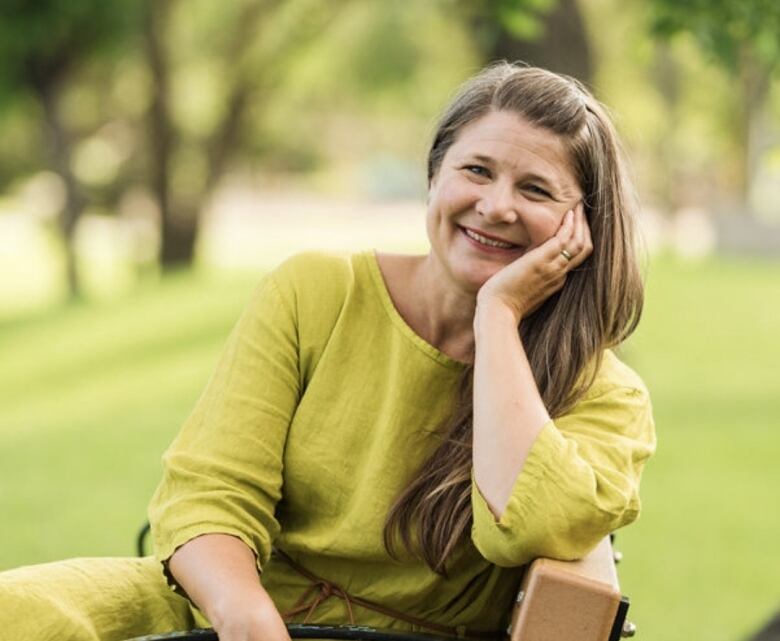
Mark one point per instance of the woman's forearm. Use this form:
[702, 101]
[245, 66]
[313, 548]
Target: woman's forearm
[219, 574]
[508, 410]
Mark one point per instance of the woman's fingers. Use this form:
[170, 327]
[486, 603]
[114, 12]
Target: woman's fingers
[559, 252]
[567, 228]
[577, 244]
[581, 245]
[578, 238]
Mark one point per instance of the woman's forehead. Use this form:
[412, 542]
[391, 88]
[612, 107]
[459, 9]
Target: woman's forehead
[506, 138]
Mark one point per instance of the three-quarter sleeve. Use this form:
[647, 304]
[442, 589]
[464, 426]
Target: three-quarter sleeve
[223, 472]
[579, 482]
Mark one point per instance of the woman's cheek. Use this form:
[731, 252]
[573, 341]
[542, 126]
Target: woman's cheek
[458, 194]
[546, 223]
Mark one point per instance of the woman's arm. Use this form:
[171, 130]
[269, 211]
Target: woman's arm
[508, 410]
[543, 487]
[213, 514]
[219, 574]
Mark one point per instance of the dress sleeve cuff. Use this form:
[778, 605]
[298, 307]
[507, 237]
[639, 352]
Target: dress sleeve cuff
[509, 540]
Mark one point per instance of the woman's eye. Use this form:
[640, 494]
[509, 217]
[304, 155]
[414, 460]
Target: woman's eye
[478, 170]
[536, 189]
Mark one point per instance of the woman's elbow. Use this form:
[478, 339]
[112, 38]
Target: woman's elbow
[565, 540]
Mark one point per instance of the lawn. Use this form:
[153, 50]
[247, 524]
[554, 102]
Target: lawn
[91, 395]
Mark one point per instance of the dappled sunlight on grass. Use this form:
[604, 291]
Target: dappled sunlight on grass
[91, 396]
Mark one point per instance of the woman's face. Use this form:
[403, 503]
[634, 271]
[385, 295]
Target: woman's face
[503, 188]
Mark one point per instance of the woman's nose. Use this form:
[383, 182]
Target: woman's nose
[498, 204]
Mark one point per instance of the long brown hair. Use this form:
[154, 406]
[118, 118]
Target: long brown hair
[598, 307]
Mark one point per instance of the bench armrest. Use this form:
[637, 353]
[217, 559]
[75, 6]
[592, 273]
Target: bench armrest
[570, 600]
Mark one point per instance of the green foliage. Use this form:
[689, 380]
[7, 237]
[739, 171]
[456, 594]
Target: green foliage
[326, 85]
[524, 18]
[47, 37]
[369, 84]
[725, 29]
[43, 47]
[385, 54]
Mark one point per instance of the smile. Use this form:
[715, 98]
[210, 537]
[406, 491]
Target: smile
[485, 241]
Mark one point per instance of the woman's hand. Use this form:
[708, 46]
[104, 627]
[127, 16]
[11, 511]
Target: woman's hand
[523, 285]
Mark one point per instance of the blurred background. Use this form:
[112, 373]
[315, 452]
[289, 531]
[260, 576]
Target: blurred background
[157, 156]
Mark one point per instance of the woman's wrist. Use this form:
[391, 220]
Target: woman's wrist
[493, 309]
[234, 603]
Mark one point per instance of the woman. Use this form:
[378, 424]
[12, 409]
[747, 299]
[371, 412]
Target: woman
[409, 430]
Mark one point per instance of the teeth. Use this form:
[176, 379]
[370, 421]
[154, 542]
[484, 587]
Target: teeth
[487, 241]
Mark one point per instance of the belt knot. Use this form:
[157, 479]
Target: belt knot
[319, 592]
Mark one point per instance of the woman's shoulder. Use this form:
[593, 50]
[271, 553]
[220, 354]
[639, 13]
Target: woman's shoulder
[618, 401]
[318, 277]
[309, 268]
[614, 374]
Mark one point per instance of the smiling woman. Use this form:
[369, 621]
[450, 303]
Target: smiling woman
[502, 188]
[406, 431]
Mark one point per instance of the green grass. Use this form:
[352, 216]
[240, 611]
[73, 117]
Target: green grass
[89, 399]
[703, 561]
[91, 395]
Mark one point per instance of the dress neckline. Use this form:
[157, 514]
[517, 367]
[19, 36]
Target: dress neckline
[380, 286]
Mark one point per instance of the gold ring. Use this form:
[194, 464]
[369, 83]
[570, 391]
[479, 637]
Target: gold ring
[566, 254]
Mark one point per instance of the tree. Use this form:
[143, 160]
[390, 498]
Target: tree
[742, 37]
[46, 46]
[41, 45]
[256, 39]
[547, 33]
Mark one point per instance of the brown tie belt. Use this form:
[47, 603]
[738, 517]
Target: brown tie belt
[322, 589]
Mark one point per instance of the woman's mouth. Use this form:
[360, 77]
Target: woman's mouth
[487, 244]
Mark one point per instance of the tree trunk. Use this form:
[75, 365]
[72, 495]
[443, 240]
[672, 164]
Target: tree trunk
[563, 46]
[752, 129]
[177, 227]
[59, 152]
[242, 88]
[666, 78]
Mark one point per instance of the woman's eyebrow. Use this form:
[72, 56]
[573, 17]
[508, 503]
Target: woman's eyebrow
[481, 158]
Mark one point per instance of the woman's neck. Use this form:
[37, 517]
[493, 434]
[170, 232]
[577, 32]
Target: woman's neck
[444, 311]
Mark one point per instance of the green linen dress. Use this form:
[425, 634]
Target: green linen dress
[320, 410]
